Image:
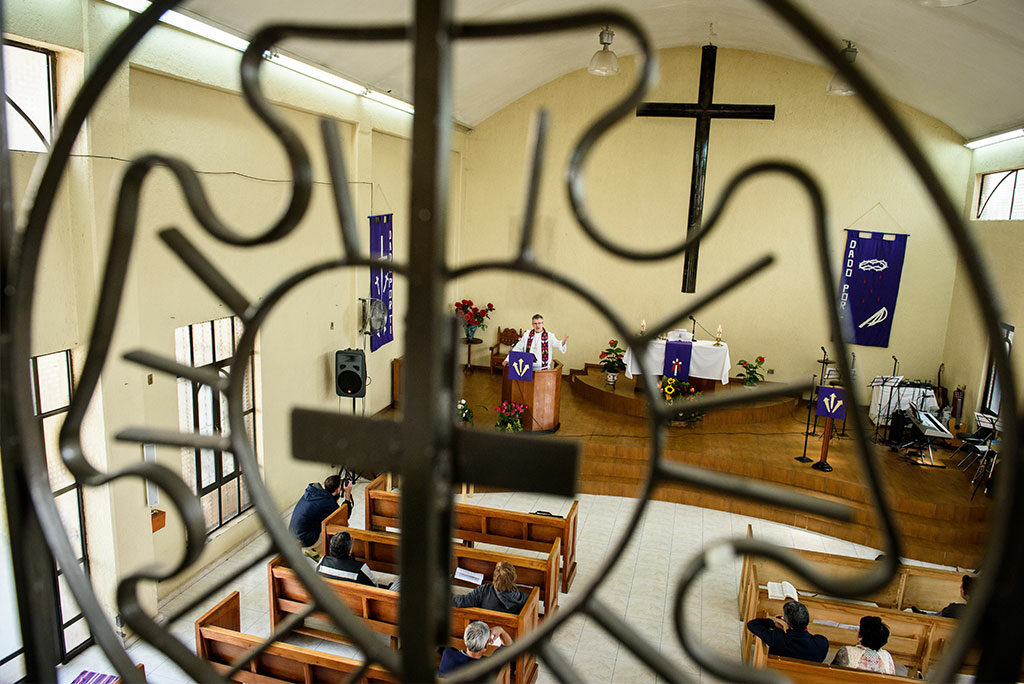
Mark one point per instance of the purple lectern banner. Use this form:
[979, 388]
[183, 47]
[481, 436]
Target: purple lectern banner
[677, 360]
[520, 366]
[872, 265]
[381, 280]
[831, 403]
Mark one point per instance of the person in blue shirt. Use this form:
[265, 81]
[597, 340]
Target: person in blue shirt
[476, 637]
[316, 504]
[787, 634]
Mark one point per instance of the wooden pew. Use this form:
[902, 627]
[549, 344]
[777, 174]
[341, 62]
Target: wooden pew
[378, 608]
[219, 641]
[926, 588]
[488, 525]
[807, 672]
[380, 551]
[914, 638]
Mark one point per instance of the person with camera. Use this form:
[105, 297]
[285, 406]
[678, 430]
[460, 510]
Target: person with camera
[316, 504]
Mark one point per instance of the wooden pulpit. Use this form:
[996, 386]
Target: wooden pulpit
[543, 396]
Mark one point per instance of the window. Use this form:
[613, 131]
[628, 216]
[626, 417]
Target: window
[28, 78]
[52, 387]
[993, 396]
[1002, 196]
[213, 475]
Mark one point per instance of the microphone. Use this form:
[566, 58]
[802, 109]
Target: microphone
[696, 324]
[823, 351]
[895, 359]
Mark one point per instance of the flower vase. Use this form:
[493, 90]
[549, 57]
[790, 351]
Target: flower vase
[470, 330]
[611, 378]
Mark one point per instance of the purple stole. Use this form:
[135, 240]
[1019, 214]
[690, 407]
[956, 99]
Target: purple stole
[543, 347]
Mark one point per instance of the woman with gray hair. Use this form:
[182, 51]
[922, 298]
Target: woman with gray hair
[476, 636]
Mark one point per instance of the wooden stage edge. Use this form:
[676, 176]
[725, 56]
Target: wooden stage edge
[937, 520]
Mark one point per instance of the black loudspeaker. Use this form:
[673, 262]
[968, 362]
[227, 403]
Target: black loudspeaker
[898, 428]
[350, 373]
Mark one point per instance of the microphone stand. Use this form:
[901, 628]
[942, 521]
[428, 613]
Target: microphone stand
[695, 324]
[888, 405]
[807, 430]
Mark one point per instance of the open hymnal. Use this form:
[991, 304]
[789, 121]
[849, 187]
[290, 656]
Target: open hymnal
[782, 590]
[469, 576]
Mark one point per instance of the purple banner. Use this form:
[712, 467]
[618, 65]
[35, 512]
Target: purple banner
[381, 280]
[872, 265]
[677, 360]
[520, 366]
[831, 403]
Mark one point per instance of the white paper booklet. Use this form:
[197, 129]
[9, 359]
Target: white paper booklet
[782, 590]
[469, 576]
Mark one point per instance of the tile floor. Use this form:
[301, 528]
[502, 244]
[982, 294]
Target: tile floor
[639, 587]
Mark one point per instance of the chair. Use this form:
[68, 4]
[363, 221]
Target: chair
[506, 337]
[975, 445]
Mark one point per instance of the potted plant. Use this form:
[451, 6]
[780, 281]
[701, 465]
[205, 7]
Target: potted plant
[611, 361]
[465, 413]
[679, 392]
[472, 316]
[751, 374]
[510, 416]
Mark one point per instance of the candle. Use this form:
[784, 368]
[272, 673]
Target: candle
[643, 325]
[719, 331]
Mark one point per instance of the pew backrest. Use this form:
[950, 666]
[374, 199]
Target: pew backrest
[379, 611]
[806, 672]
[380, 551]
[219, 641]
[530, 531]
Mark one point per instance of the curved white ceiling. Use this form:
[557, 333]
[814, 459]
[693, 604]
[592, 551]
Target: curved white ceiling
[962, 65]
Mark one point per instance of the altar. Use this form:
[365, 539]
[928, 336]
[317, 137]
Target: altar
[707, 361]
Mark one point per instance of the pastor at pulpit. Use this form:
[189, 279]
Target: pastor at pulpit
[540, 387]
[538, 341]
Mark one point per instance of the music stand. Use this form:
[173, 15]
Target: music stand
[893, 383]
[878, 381]
[807, 430]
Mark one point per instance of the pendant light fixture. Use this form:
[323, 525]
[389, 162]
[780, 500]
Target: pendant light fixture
[839, 85]
[604, 62]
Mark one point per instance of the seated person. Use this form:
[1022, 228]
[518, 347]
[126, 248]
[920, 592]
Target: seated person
[787, 634]
[315, 505]
[502, 595]
[955, 610]
[868, 654]
[476, 637]
[340, 564]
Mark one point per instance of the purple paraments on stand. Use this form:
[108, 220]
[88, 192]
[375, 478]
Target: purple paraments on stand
[831, 403]
[382, 280]
[872, 264]
[677, 360]
[520, 366]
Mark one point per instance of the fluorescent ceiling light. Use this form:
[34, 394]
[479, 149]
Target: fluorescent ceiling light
[204, 30]
[993, 139]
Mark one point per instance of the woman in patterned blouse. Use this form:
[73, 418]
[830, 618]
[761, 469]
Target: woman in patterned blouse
[868, 654]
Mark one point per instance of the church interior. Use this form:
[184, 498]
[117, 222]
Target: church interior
[525, 226]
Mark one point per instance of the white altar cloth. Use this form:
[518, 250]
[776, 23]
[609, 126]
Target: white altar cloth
[707, 361]
[922, 397]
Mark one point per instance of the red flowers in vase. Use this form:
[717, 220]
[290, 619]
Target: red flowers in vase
[471, 314]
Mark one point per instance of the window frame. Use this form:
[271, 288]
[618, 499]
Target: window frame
[218, 401]
[51, 91]
[991, 373]
[1018, 188]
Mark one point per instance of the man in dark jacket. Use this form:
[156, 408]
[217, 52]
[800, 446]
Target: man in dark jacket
[340, 564]
[787, 635]
[315, 505]
[502, 595]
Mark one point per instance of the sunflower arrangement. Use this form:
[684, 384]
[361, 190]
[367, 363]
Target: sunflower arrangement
[675, 391]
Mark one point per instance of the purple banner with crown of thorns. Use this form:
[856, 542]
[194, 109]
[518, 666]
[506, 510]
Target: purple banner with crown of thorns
[872, 265]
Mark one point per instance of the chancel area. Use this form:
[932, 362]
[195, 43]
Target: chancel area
[642, 338]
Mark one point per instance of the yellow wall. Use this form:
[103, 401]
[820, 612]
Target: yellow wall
[179, 96]
[637, 188]
[1002, 248]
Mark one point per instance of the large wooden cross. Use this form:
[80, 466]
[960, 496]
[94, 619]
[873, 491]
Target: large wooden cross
[703, 111]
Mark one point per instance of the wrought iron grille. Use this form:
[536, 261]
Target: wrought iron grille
[428, 451]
